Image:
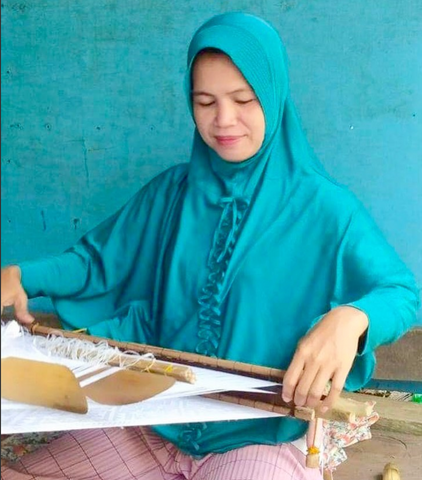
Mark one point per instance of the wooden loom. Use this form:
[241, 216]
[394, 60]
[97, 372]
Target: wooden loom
[345, 409]
[397, 435]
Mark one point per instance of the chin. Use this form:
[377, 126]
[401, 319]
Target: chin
[233, 158]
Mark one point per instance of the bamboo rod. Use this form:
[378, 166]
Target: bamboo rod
[181, 373]
[169, 355]
[302, 413]
[344, 412]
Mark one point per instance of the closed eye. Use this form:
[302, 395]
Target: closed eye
[244, 102]
[204, 104]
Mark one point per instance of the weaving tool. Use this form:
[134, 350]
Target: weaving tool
[125, 387]
[41, 383]
[344, 410]
[56, 386]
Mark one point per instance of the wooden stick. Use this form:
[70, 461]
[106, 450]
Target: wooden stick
[395, 416]
[275, 403]
[303, 413]
[178, 372]
[346, 410]
[313, 452]
[345, 404]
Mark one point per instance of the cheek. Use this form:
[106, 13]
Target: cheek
[200, 122]
[259, 128]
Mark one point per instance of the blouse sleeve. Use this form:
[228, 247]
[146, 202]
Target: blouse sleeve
[97, 263]
[114, 265]
[371, 277]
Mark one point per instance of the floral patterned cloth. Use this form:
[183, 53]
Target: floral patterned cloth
[338, 435]
[14, 446]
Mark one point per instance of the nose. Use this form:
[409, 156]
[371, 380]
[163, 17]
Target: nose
[225, 115]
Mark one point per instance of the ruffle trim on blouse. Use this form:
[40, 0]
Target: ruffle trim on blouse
[189, 438]
[224, 241]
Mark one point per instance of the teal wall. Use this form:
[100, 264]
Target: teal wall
[93, 107]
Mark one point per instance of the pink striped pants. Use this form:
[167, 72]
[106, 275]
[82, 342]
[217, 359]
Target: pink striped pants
[137, 453]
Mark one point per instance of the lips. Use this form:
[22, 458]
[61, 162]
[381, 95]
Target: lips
[227, 141]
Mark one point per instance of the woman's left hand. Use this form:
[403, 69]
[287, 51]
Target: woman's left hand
[325, 353]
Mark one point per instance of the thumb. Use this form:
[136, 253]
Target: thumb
[21, 310]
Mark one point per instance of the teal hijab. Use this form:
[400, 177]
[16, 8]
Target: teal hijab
[237, 205]
[235, 260]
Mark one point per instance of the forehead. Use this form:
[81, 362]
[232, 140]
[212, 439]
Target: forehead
[216, 69]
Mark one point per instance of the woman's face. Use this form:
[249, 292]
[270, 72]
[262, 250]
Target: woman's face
[227, 113]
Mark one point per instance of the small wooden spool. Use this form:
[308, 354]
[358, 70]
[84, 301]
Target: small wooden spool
[391, 472]
[312, 460]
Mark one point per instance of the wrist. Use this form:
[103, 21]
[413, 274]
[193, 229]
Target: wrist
[358, 318]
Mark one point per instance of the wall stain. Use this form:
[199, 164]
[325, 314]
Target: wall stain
[85, 150]
[99, 149]
[287, 5]
[9, 161]
[19, 7]
[76, 222]
[44, 223]
[16, 125]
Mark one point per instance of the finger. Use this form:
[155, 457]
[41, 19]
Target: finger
[318, 387]
[310, 372]
[337, 384]
[26, 318]
[21, 310]
[291, 378]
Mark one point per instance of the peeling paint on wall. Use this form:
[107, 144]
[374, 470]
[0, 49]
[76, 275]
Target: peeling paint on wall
[44, 223]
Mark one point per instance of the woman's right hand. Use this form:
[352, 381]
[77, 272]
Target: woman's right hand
[13, 294]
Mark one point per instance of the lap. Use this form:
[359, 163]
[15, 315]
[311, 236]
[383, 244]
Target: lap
[254, 462]
[109, 454]
[137, 453]
[258, 462]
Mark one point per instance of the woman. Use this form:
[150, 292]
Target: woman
[244, 253]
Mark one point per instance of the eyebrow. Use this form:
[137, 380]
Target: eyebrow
[200, 92]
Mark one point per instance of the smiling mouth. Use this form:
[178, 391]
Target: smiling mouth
[227, 141]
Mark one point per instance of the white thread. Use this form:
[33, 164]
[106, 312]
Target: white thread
[93, 353]
[76, 349]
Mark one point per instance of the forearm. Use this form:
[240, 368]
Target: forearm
[56, 276]
[391, 312]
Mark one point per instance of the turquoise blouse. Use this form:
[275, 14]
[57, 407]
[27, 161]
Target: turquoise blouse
[231, 260]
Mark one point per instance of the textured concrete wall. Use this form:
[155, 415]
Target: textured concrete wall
[93, 107]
